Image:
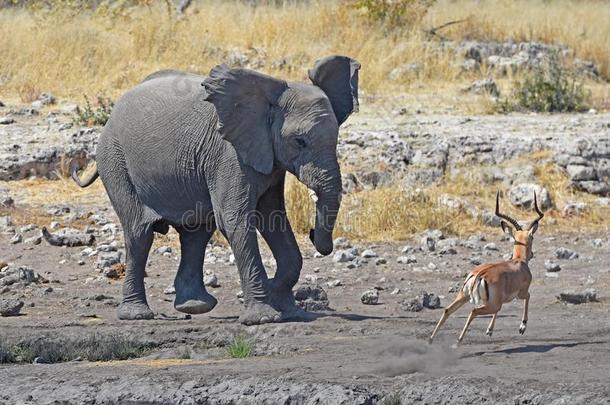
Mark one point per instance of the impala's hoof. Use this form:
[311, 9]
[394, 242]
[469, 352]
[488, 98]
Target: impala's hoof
[522, 327]
[489, 332]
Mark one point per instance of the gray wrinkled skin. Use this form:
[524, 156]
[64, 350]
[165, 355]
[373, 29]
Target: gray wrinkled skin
[201, 153]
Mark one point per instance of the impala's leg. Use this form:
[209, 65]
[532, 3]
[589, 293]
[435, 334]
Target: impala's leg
[484, 310]
[524, 319]
[490, 328]
[454, 306]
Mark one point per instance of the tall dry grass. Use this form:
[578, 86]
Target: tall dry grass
[71, 54]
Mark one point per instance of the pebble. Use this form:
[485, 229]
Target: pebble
[406, 259]
[551, 266]
[370, 297]
[571, 297]
[380, 261]
[334, 283]
[169, 290]
[491, 246]
[10, 307]
[565, 253]
[210, 280]
[343, 256]
[369, 254]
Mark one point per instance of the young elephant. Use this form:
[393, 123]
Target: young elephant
[200, 153]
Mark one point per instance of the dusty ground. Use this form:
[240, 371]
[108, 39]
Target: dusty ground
[354, 354]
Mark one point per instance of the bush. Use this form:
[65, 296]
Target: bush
[98, 115]
[550, 87]
[395, 13]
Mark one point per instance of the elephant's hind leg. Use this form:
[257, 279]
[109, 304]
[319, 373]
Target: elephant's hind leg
[191, 295]
[138, 240]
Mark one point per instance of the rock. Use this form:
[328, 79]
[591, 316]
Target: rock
[311, 298]
[581, 173]
[430, 300]
[571, 297]
[404, 71]
[369, 254]
[343, 256]
[10, 307]
[484, 86]
[423, 300]
[575, 208]
[46, 99]
[522, 195]
[334, 283]
[551, 266]
[406, 259]
[594, 187]
[470, 65]
[370, 297]
[428, 244]
[407, 249]
[372, 180]
[491, 246]
[17, 238]
[69, 109]
[379, 261]
[163, 249]
[68, 237]
[565, 253]
[210, 280]
[19, 275]
[34, 240]
[342, 243]
[6, 120]
[413, 305]
[169, 290]
[6, 201]
[107, 259]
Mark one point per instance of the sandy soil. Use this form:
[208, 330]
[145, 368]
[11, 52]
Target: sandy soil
[354, 354]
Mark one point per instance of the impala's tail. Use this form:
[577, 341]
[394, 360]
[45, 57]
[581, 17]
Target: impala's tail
[476, 289]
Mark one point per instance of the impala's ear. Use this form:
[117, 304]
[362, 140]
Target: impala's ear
[507, 229]
[337, 76]
[244, 100]
[533, 229]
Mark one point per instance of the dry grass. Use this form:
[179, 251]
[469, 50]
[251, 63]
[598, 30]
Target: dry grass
[375, 215]
[71, 54]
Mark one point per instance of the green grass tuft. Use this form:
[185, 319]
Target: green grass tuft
[240, 348]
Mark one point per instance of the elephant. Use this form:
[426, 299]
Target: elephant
[204, 153]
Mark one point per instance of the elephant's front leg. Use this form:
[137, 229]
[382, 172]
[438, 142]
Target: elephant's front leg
[275, 228]
[238, 224]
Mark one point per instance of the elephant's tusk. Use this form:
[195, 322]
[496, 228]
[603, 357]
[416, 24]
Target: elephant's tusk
[313, 196]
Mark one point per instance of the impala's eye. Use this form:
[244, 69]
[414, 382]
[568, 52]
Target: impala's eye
[301, 142]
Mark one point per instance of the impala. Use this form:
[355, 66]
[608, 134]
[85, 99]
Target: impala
[488, 286]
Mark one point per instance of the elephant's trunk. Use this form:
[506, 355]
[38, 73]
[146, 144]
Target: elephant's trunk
[327, 187]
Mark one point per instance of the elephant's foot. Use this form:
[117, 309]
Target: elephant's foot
[128, 311]
[285, 302]
[197, 302]
[257, 313]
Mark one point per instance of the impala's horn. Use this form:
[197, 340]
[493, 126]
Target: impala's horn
[506, 217]
[540, 214]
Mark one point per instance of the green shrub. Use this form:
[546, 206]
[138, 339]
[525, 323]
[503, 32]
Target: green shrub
[240, 348]
[550, 87]
[395, 13]
[98, 115]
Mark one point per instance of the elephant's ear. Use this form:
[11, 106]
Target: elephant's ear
[338, 77]
[243, 101]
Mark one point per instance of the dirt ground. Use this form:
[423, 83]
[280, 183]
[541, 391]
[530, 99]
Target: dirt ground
[355, 353]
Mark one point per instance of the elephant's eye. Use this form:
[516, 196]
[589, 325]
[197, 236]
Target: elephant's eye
[301, 142]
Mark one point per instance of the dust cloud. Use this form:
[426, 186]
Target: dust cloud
[400, 355]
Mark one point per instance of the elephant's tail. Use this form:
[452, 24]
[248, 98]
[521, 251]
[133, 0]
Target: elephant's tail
[86, 182]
